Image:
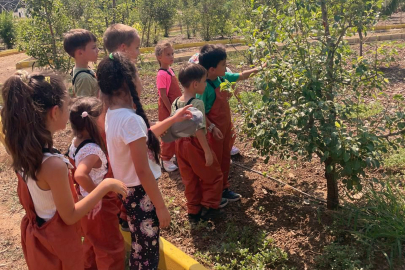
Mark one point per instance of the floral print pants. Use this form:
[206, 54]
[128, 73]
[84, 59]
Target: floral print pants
[144, 226]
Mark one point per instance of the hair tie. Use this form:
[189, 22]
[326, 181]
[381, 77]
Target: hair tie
[111, 56]
[84, 114]
[24, 76]
[48, 79]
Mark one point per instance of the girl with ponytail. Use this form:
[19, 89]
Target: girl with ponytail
[35, 107]
[134, 154]
[103, 242]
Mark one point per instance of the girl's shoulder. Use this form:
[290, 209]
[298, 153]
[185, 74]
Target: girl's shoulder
[90, 149]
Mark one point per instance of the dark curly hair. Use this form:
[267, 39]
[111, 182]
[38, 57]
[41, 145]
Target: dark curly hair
[117, 73]
[27, 100]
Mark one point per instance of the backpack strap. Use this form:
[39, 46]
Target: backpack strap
[175, 103]
[211, 83]
[82, 71]
[168, 72]
[47, 150]
[188, 102]
[81, 145]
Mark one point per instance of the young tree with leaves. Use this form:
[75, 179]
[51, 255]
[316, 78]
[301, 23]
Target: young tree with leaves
[41, 35]
[313, 87]
[7, 29]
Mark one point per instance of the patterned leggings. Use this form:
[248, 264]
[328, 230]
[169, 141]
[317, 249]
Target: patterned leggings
[144, 226]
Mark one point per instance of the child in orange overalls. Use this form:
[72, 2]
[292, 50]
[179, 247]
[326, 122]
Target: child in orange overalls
[169, 90]
[103, 242]
[203, 184]
[35, 107]
[219, 122]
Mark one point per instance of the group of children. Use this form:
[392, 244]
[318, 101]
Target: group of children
[115, 150]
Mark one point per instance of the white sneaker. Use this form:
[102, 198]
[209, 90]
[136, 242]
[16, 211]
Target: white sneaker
[169, 166]
[234, 150]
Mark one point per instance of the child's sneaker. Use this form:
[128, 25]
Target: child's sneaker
[209, 213]
[194, 218]
[224, 202]
[230, 195]
[169, 166]
[125, 226]
[234, 150]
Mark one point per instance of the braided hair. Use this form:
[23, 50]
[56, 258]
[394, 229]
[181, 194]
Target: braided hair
[117, 73]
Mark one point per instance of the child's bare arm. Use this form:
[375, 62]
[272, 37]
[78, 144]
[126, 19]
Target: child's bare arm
[139, 158]
[247, 73]
[202, 139]
[160, 127]
[82, 173]
[54, 172]
[165, 99]
[215, 131]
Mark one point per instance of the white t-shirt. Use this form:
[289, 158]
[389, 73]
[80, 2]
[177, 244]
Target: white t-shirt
[123, 126]
[96, 174]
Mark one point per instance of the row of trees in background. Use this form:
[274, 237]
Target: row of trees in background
[41, 34]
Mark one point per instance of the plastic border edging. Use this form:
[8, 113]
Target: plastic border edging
[170, 257]
[9, 52]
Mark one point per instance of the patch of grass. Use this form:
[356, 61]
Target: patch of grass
[395, 161]
[376, 226]
[247, 99]
[244, 248]
[341, 257]
[151, 106]
[366, 111]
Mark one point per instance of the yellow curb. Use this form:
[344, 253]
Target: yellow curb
[171, 258]
[388, 27]
[26, 63]
[9, 52]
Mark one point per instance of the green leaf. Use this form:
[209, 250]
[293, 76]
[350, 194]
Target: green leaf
[346, 156]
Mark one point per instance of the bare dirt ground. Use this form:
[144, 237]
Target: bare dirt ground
[7, 65]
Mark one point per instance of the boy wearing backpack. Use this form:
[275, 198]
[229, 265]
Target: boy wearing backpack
[81, 44]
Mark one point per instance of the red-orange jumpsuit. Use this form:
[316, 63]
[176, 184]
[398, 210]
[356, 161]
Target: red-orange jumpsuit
[54, 245]
[103, 242]
[203, 185]
[220, 115]
[168, 149]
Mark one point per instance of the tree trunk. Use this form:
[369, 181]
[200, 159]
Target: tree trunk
[148, 33]
[332, 187]
[54, 51]
[188, 32]
[361, 40]
[166, 31]
[114, 4]
[155, 38]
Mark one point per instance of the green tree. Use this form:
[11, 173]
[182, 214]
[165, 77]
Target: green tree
[314, 87]
[7, 29]
[147, 16]
[166, 11]
[209, 10]
[41, 35]
[189, 15]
